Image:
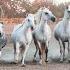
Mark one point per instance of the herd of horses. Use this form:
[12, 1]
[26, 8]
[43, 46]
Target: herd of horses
[35, 28]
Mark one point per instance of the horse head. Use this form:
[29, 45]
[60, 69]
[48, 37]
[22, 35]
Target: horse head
[47, 14]
[67, 12]
[30, 20]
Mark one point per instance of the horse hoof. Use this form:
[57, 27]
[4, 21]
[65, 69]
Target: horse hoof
[46, 61]
[23, 65]
[40, 62]
[15, 61]
[34, 60]
[61, 61]
[69, 61]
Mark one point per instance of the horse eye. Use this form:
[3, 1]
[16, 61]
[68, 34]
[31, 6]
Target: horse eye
[46, 13]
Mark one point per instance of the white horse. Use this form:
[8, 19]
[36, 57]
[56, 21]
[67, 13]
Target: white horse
[3, 39]
[62, 33]
[42, 31]
[21, 38]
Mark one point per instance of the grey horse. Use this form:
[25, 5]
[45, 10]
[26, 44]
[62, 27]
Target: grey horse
[62, 33]
[21, 38]
[42, 32]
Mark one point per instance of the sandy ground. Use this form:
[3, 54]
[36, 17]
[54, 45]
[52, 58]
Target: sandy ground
[7, 58]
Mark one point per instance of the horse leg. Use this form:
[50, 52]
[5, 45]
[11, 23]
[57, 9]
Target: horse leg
[40, 53]
[46, 50]
[61, 50]
[22, 51]
[69, 50]
[26, 49]
[35, 53]
[14, 51]
[17, 51]
[68, 47]
[36, 45]
[0, 52]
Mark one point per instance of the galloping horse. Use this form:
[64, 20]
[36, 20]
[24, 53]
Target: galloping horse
[20, 39]
[42, 31]
[62, 33]
[3, 39]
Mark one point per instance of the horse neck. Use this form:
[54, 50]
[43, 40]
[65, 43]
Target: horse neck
[65, 20]
[38, 17]
[25, 27]
[42, 24]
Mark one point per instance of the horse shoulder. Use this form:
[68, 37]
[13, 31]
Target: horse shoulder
[58, 27]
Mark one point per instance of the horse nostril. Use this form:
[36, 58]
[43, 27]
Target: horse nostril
[53, 19]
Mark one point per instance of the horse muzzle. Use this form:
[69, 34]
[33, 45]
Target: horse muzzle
[0, 34]
[32, 28]
[69, 11]
[53, 19]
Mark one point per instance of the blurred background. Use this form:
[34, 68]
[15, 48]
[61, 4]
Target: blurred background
[13, 12]
[19, 8]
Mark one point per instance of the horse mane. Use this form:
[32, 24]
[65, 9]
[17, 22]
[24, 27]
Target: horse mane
[21, 25]
[38, 16]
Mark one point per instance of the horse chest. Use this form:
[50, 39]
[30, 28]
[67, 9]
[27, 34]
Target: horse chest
[61, 31]
[42, 33]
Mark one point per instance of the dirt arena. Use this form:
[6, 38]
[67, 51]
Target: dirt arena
[6, 61]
